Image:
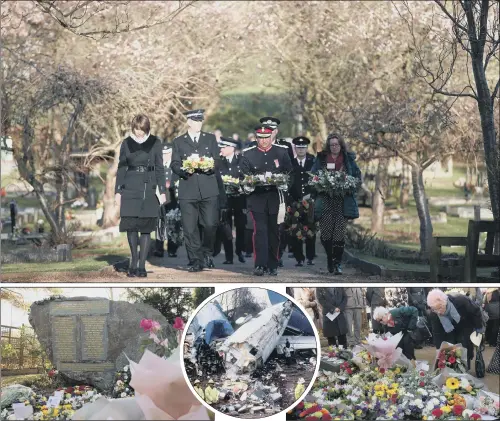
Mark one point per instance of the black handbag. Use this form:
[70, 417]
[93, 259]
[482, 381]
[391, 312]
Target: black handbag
[480, 366]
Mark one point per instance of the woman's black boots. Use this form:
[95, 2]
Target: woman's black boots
[328, 245]
[338, 251]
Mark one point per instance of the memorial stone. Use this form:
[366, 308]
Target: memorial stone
[89, 339]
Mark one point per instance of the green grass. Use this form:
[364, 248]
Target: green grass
[23, 379]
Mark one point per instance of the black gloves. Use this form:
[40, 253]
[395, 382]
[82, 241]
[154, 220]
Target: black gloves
[183, 174]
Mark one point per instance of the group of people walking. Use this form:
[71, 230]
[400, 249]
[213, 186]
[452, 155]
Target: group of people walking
[149, 169]
[447, 317]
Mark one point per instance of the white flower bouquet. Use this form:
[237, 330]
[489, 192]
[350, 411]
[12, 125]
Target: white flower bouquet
[198, 163]
[231, 185]
[336, 183]
[251, 182]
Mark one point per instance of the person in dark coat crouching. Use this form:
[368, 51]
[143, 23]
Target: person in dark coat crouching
[396, 320]
[334, 300]
[453, 319]
[140, 174]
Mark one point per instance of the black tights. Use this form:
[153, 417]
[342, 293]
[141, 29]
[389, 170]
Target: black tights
[133, 240]
[342, 340]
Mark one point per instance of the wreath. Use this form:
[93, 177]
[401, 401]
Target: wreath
[299, 219]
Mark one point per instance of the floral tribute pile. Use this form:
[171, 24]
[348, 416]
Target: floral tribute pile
[299, 219]
[197, 163]
[73, 398]
[334, 183]
[364, 387]
[250, 182]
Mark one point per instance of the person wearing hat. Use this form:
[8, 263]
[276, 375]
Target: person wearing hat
[230, 165]
[201, 194]
[300, 190]
[140, 173]
[264, 202]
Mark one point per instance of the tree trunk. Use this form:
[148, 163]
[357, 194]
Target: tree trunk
[404, 194]
[379, 195]
[111, 213]
[422, 205]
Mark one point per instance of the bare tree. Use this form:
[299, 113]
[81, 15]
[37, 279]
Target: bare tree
[471, 42]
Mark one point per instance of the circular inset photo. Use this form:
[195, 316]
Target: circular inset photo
[250, 353]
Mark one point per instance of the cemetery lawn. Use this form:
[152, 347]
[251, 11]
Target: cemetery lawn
[84, 260]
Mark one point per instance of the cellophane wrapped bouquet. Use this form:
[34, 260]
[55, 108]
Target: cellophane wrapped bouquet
[197, 163]
[231, 185]
[251, 182]
[334, 183]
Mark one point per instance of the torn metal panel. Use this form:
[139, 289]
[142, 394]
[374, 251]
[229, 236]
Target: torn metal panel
[212, 322]
[298, 321]
[252, 344]
[299, 342]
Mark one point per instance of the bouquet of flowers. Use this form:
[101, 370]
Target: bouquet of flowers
[451, 356]
[232, 185]
[384, 349]
[122, 387]
[197, 163]
[299, 219]
[162, 346]
[487, 404]
[250, 182]
[336, 183]
[174, 229]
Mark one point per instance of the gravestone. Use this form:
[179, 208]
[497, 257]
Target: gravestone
[89, 339]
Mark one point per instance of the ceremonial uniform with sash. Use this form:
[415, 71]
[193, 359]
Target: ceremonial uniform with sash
[201, 194]
[263, 204]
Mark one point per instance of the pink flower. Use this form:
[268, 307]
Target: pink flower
[452, 360]
[475, 417]
[179, 324]
[146, 324]
[441, 364]
[156, 326]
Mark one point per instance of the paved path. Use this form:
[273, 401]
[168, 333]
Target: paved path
[172, 270]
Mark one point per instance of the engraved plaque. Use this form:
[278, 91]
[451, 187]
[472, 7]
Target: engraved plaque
[98, 367]
[64, 338]
[70, 308]
[94, 338]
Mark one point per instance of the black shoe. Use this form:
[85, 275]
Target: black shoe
[248, 255]
[259, 271]
[172, 255]
[280, 263]
[299, 264]
[227, 262]
[290, 255]
[331, 267]
[272, 272]
[241, 259]
[338, 269]
[209, 262]
[310, 263]
[141, 273]
[132, 273]
[195, 268]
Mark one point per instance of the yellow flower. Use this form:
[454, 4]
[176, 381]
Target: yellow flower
[446, 409]
[45, 411]
[68, 406]
[447, 394]
[391, 392]
[452, 383]
[377, 387]
[380, 394]
[397, 370]
[359, 412]
[425, 418]
[394, 386]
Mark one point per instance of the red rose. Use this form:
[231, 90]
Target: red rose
[441, 364]
[52, 373]
[437, 413]
[300, 405]
[394, 397]
[305, 228]
[475, 417]
[178, 324]
[422, 374]
[326, 417]
[382, 370]
[422, 384]
[349, 371]
[69, 390]
[146, 324]
[452, 360]
[458, 409]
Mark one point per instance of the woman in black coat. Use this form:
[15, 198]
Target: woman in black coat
[140, 173]
[453, 318]
[332, 300]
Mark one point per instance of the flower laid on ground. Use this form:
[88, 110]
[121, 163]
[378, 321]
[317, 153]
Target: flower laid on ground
[197, 163]
[336, 183]
[299, 219]
[251, 182]
[451, 357]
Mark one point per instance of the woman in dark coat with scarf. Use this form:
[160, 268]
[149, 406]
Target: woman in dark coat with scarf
[396, 320]
[453, 318]
[336, 211]
[332, 300]
[140, 173]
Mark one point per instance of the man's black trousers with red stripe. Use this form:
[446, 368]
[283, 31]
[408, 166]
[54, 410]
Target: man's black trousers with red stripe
[265, 239]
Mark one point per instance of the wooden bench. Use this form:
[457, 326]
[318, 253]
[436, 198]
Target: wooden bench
[473, 260]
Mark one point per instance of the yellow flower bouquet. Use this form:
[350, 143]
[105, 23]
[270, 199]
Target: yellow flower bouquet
[198, 163]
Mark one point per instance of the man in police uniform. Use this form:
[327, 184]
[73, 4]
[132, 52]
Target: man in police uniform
[201, 195]
[230, 165]
[300, 190]
[264, 202]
